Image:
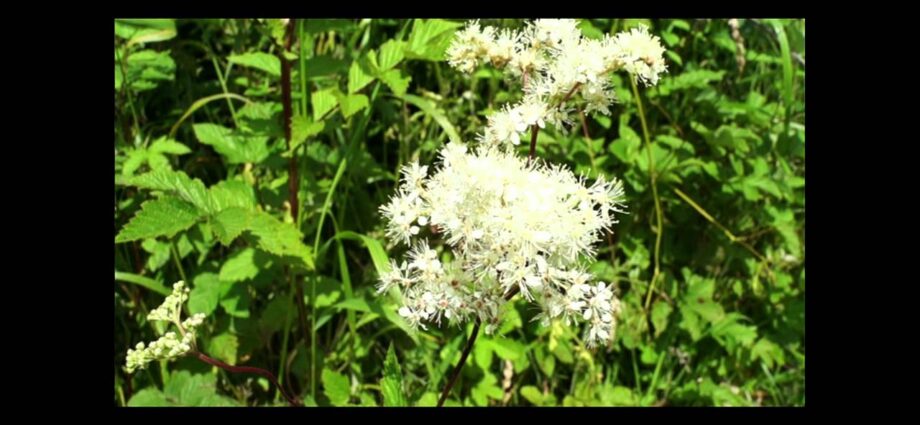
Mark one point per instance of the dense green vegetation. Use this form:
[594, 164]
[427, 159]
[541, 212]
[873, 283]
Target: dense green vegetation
[280, 239]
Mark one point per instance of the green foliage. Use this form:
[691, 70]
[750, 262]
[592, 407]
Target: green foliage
[204, 187]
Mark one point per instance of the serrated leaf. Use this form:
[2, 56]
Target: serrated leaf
[230, 223]
[323, 101]
[352, 103]
[391, 54]
[391, 384]
[236, 147]
[135, 158]
[240, 266]
[178, 183]
[259, 60]
[224, 347]
[170, 146]
[159, 253]
[149, 397]
[145, 69]
[160, 217]
[429, 39]
[205, 294]
[359, 76]
[279, 238]
[336, 387]
[303, 128]
[232, 193]
[396, 81]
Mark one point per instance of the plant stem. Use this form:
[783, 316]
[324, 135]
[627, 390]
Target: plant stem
[459, 367]
[654, 182]
[177, 260]
[247, 369]
[293, 181]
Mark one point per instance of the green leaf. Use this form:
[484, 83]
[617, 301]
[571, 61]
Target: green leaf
[323, 101]
[166, 145]
[391, 54]
[484, 390]
[195, 390]
[429, 39]
[224, 347]
[205, 294]
[160, 217]
[435, 114]
[279, 238]
[336, 387]
[397, 81]
[730, 333]
[234, 299]
[622, 396]
[769, 352]
[323, 65]
[303, 128]
[232, 193]
[259, 60]
[139, 31]
[428, 399]
[178, 183]
[508, 349]
[359, 76]
[352, 103]
[135, 158]
[532, 394]
[230, 223]
[660, 312]
[236, 147]
[149, 397]
[159, 253]
[275, 314]
[241, 266]
[144, 281]
[391, 384]
[145, 70]
[374, 248]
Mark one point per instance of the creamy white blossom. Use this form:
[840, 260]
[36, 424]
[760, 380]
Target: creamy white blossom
[169, 346]
[510, 227]
[561, 71]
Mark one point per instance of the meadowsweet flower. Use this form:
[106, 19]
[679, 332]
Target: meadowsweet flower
[169, 346]
[509, 226]
[560, 70]
[641, 53]
[470, 47]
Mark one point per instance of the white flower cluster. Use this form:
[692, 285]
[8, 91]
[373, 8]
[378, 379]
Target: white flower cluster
[559, 67]
[511, 226]
[169, 346]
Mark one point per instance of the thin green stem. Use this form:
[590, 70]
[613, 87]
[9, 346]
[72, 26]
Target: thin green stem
[635, 367]
[654, 183]
[302, 58]
[178, 261]
[284, 337]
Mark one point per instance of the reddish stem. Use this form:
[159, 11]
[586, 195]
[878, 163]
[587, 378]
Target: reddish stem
[248, 369]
